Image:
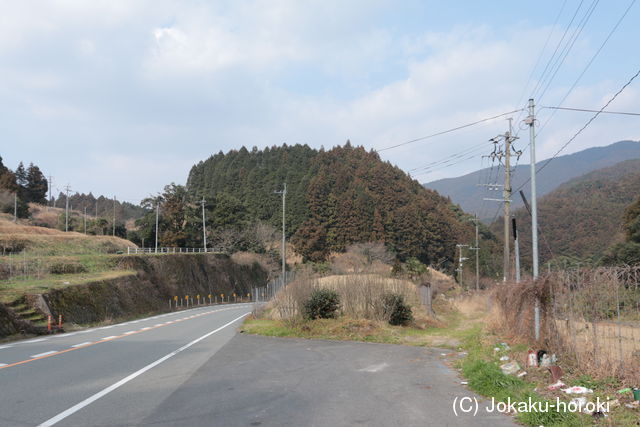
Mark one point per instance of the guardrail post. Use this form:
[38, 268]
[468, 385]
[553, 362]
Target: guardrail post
[49, 323]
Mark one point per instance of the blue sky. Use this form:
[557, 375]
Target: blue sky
[123, 97]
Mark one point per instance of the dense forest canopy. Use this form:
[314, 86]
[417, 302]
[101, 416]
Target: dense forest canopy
[580, 219]
[627, 252]
[334, 198]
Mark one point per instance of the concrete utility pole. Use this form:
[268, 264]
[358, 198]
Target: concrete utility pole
[96, 217]
[204, 226]
[476, 248]
[157, 215]
[66, 215]
[85, 220]
[284, 248]
[506, 195]
[114, 216]
[499, 153]
[15, 207]
[461, 261]
[534, 203]
[531, 121]
[516, 246]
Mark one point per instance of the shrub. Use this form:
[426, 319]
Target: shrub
[322, 304]
[396, 309]
[67, 268]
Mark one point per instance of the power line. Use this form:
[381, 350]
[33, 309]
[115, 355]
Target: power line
[450, 157]
[595, 55]
[546, 43]
[575, 135]
[570, 43]
[624, 113]
[450, 130]
[566, 30]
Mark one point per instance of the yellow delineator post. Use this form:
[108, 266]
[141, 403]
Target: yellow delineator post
[235, 299]
[209, 299]
[198, 296]
[186, 297]
[175, 298]
[222, 298]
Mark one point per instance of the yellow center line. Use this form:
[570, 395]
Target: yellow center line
[33, 359]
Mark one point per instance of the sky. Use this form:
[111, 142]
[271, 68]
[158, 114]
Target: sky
[123, 97]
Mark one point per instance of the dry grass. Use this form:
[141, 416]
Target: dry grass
[578, 320]
[46, 241]
[360, 294]
[250, 258]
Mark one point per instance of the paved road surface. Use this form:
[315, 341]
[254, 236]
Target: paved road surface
[190, 368]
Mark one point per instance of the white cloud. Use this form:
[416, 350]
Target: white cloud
[168, 83]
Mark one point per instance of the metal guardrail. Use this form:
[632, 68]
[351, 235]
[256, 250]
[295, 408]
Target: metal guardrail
[134, 251]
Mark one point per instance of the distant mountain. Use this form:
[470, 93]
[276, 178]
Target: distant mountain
[464, 190]
[583, 217]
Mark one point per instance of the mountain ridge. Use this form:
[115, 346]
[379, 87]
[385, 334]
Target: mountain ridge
[465, 192]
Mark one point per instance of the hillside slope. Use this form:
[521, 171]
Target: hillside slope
[334, 198]
[582, 217]
[464, 191]
[18, 237]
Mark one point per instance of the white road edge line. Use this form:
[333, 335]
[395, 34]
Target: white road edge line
[62, 415]
[5, 346]
[81, 344]
[46, 353]
[35, 340]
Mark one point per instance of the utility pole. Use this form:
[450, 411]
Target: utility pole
[66, 215]
[476, 248]
[461, 261]
[531, 121]
[96, 217]
[284, 248]
[204, 226]
[157, 215]
[15, 207]
[534, 203]
[516, 246]
[85, 220]
[505, 153]
[506, 195]
[114, 216]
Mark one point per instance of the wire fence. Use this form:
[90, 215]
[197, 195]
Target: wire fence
[266, 293]
[589, 315]
[596, 314]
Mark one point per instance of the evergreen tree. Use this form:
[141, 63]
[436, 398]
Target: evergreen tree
[21, 175]
[36, 185]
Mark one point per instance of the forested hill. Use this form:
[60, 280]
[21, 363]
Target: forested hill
[334, 198]
[581, 218]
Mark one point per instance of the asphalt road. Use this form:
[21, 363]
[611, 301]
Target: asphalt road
[42, 380]
[189, 368]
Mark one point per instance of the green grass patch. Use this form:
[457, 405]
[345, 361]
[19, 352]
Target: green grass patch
[12, 290]
[340, 329]
[486, 378]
